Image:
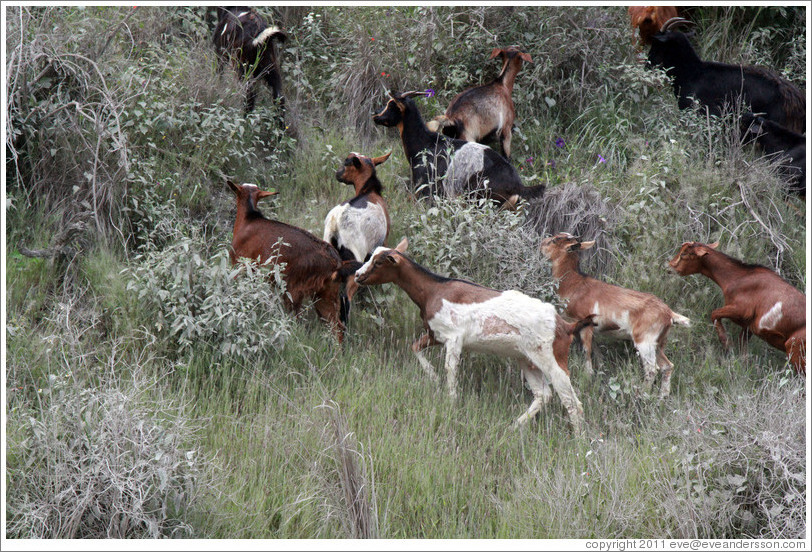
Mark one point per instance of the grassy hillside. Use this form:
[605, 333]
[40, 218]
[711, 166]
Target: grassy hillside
[150, 393]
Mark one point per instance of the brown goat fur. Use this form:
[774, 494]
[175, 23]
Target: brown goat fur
[313, 268]
[617, 311]
[480, 112]
[647, 21]
[756, 298]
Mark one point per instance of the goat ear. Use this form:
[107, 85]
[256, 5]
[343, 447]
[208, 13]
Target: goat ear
[587, 244]
[233, 186]
[496, 52]
[401, 247]
[357, 162]
[378, 160]
[262, 194]
[526, 57]
[713, 245]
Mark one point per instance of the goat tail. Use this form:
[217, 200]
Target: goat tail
[583, 323]
[679, 319]
[348, 269]
[532, 192]
[270, 32]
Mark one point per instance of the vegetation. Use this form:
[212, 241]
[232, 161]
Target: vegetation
[154, 390]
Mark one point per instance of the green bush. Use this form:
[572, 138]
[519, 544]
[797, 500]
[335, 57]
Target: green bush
[198, 299]
[475, 241]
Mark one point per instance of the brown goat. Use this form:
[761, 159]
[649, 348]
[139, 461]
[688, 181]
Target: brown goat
[756, 298]
[647, 21]
[480, 112]
[618, 312]
[313, 268]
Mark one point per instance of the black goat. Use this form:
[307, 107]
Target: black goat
[787, 147]
[243, 37]
[715, 84]
[458, 166]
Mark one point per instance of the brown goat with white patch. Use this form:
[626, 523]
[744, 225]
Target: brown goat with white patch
[756, 298]
[480, 112]
[313, 268]
[618, 312]
[463, 315]
[647, 21]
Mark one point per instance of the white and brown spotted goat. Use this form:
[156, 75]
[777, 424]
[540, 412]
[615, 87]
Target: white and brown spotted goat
[479, 112]
[463, 315]
[618, 312]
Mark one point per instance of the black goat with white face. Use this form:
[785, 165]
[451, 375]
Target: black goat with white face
[715, 84]
[787, 148]
[243, 37]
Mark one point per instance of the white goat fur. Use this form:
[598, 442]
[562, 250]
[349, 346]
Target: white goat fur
[359, 229]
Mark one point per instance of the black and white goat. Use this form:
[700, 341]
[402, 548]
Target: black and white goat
[243, 37]
[448, 166]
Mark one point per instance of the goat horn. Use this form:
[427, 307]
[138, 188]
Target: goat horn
[673, 22]
[413, 93]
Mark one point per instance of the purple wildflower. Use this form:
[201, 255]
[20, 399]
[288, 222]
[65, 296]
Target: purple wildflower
[559, 142]
[551, 163]
[429, 92]
[601, 159]
[529, 160]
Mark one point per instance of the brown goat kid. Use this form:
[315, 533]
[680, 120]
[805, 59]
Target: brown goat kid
[618, 312]
[646, 21]
[313, 268]
[480, 112]
[756, 298]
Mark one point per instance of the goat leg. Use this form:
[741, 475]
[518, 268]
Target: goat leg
[453, 349]
[424, 341]
[728, 311]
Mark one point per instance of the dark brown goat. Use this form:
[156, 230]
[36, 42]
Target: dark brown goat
[756, 298]
[313, 268]
[480, 112]
[243, 37]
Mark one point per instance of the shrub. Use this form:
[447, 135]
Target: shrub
[233, 309]
[460, 238]
[740, 463]
[115, 459]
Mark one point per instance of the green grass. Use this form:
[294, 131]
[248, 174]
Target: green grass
[281, 433]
